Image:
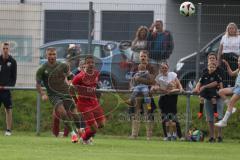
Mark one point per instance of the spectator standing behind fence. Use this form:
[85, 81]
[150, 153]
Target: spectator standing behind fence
[139, 43]
[138, 108]
[73, 56]
[212, 58]
[160, 42]
[168, 83]
[8, 76]
[229, 50]
[140, 88]
[207, 88]
[53, 76]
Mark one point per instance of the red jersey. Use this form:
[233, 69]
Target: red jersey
[86, 87]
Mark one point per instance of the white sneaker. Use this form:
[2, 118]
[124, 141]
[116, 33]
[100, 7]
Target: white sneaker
[60, 134]
[234, 109]
[8, 133]
[91, 141]
[182, 139]
[165, 138]
[221, 123]
[84, 142]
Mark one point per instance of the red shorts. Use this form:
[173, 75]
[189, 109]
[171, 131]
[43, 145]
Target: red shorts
[92, 115]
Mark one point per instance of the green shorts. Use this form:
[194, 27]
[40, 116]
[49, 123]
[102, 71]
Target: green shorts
[65, 100]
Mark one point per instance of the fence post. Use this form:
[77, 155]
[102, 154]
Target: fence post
[199, 38]
[90, 27]
[38, 114]
[187, 125]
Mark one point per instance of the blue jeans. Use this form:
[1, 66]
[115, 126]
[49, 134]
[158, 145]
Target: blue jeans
[209, 109]
[141, 89]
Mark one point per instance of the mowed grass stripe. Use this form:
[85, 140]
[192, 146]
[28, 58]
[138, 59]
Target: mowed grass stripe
[29, 147]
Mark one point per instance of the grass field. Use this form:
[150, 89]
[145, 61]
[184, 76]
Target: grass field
[30, 147]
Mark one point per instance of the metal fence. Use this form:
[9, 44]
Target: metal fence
[186, 117]
[29, 25]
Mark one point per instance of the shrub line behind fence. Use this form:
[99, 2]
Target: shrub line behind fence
[38, 104]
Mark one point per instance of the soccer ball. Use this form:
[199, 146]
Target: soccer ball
[187, 9]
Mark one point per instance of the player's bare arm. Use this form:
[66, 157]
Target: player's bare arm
[147, 81]
[41, 92]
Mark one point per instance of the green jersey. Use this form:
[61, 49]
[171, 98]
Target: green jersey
[54, 78]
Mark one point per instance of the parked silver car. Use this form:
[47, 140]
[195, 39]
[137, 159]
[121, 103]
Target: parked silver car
[110, 59]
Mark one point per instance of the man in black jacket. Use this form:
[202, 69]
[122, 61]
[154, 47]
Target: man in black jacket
[8, 76]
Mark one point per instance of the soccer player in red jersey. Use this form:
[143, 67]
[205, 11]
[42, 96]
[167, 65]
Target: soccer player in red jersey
[85, 84]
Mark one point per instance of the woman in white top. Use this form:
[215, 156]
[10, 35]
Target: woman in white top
[167, 83]
[139, 43]
[229, 50]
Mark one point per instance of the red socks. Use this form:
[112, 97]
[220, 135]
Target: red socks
[55, 124]
[88, 133]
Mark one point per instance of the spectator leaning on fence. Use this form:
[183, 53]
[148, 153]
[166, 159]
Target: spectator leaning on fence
[139, 43]
[160, 42]
[212, 58]
[53, 75]
[167, 83]
[8, 76]
[229, 50]
[207, 88]
[138, 108]
[139, 88]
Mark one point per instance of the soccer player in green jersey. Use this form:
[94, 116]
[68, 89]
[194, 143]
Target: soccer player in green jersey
[53, 75]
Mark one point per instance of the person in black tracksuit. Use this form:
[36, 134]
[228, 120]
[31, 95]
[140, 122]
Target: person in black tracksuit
[8, 76]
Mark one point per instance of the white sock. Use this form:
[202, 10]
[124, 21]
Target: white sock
[174, 134]
[169, 134]
[226, 116]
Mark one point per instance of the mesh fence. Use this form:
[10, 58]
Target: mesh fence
[30, 25]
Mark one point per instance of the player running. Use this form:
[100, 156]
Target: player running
[85, 84]
[53, 76]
